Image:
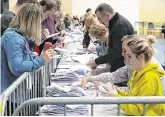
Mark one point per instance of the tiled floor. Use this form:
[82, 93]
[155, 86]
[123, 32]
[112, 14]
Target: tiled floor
[160, 46]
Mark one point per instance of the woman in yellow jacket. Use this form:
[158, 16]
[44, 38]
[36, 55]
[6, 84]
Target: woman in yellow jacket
[145, 80]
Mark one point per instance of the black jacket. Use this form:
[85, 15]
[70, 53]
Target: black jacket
[86, 40]
[119, 26]
[67, 23]
[163, 26]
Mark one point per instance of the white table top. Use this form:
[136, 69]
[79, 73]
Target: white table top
[99, 110]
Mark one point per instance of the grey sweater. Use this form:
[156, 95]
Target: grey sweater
[121, 75]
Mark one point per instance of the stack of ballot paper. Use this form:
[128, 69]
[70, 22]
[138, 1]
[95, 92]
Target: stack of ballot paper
[65, 76]
[87, 57]
[58, 110]
[55, 90]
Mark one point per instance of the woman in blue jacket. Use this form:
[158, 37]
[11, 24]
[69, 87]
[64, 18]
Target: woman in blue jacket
[16, 57]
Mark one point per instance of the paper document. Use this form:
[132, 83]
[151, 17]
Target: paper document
[52, 35]
[85, 58]
[65, 66]
[60, 49]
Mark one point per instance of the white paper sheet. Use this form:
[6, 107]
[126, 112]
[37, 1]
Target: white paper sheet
[65, 66]
[83, 59]
[52, 35]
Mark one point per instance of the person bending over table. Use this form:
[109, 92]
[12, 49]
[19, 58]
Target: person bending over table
[118, 27]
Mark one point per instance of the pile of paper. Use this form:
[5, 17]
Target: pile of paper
[58, 110]
[65, 76]
[87, 57]
[55, 90]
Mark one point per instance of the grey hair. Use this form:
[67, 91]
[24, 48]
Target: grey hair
[104, 7]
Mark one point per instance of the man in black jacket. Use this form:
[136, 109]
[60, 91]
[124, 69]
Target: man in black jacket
[118, 26]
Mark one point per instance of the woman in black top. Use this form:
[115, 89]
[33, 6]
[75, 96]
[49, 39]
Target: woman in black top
[89, 20]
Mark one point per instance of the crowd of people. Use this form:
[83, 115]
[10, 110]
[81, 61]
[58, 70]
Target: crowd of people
[129, 58]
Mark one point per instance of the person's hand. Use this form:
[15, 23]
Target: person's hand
[48, 55]
[110, 90]
[63, 32]
[92, 64]
[84, 81]
[62, 39]
[46, 32]
[97, 84]
[97, 71]
[92, 49]
[84, 49]
[57, 24]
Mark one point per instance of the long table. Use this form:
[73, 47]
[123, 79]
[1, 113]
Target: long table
[99, 110]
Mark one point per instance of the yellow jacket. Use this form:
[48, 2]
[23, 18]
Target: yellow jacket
[145, 83]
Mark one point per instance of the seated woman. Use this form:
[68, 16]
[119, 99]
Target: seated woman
[145, 80]
[16, 57]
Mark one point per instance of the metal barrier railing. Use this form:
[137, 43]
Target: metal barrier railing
[92, 101]
[27, 86]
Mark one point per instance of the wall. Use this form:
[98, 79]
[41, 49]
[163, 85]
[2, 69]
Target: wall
[67, 6]
[139, 10]
[152, 10]
[12, 3]
[128, 8]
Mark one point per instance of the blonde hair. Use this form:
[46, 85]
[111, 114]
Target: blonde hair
[28, 21]
[141, 45]
[150, 38]
[97, 29]
[89, 20]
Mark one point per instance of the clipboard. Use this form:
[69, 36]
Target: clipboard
[49, 39]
